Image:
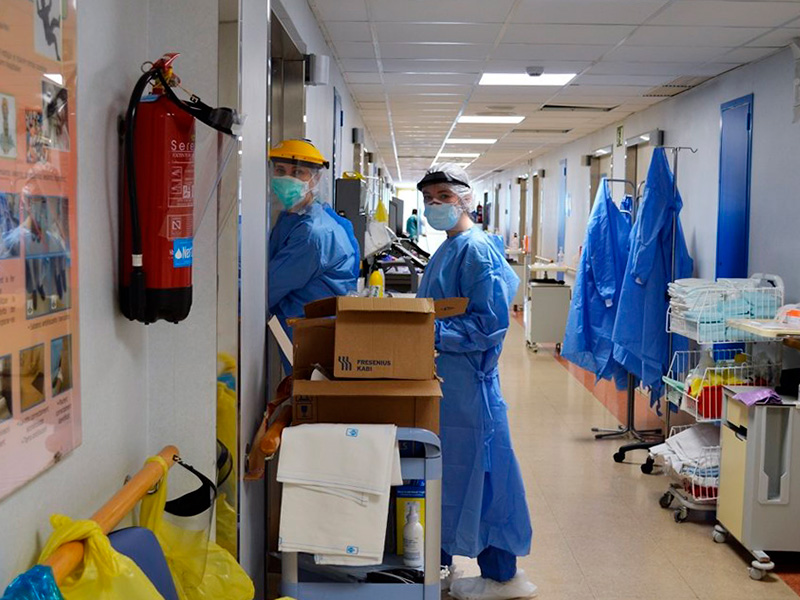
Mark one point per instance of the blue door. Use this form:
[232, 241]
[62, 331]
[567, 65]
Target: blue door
[562, 210]
[733, 219]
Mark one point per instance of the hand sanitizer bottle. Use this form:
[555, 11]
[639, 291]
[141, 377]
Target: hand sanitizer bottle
[413, 538]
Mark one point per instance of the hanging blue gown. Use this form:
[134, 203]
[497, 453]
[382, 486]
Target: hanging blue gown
[595, 298]
[640, 334]
[311, 256]
[483, 496]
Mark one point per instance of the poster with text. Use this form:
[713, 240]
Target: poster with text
[40, 409]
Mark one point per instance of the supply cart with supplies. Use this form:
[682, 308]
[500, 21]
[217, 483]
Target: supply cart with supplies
[546, 308]
[695, 474]
[420, 459]
[759, 496]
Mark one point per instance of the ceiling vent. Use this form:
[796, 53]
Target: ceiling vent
[675, 87]
[542, 131]
[577, 108]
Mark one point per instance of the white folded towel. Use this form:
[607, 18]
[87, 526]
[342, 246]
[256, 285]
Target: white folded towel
[336, 484]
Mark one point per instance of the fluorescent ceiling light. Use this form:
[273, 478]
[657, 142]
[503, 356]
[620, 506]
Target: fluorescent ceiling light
[548, 79]
[55, 77]
[459, 155]
[491, 120]
[470, 141]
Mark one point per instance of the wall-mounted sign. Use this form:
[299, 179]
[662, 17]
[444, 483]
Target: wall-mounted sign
[40, 418]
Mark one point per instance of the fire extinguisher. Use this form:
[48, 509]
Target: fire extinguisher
[157, 204]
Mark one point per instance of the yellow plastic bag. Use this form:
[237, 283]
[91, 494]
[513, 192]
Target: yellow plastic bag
[201, 569]
[105, 574]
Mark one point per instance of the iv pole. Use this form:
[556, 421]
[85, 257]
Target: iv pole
[630, 424]
[619, 456]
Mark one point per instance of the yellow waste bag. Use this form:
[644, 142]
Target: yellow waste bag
[105, 573]
[227, 535]
[201, 569]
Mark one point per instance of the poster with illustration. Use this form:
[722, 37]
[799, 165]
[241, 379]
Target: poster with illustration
[40, 384]
[8, 126]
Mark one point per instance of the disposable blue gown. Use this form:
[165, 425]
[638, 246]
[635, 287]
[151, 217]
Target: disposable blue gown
[483, 501]
[311, 256]
[640, 336]
[595, 298]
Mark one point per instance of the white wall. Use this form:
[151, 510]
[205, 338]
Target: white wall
[137, 394]
[183, 358]
[693, 119]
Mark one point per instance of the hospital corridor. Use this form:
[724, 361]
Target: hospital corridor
[399, 300]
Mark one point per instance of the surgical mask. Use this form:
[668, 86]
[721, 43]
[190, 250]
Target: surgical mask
[289, 190]
[442, 216]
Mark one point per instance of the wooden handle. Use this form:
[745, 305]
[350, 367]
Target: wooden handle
[272, 440]
[69, 556]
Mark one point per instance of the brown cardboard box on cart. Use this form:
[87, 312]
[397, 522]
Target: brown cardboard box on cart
[379, 338]
[366, 331]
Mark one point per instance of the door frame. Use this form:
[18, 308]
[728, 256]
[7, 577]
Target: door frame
[742, 101]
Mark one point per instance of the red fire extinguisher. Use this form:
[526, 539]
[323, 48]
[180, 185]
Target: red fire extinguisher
[157, 209]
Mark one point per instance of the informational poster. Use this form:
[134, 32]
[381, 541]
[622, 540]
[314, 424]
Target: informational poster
[40, 416]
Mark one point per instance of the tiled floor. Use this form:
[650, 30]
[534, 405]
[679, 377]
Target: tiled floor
[598, 530]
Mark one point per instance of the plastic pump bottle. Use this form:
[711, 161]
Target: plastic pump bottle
[377, 284]
[413, 538]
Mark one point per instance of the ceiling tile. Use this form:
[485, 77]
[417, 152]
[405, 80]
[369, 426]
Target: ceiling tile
[608, 67]
[340, 10]
[693, 36]
[655, 54]
[496, 65]
[444, 11]
[430, 78]
[621, 91]
[777, 38]
[431, 66]
[591, 79]
[566, 34]
[362, 77]
[359, 65]
[349, 31]
[712, 69]
[538, 52]
[435, 51]
[361, 50]
[726, 13]
[592, 12]
[746, 55]
[479, 33]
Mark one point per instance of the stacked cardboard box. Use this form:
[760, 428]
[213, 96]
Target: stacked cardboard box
[379, 353]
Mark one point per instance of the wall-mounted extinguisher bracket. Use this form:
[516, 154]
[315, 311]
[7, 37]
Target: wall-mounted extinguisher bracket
[158, 214]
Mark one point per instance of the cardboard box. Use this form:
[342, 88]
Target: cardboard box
[372, 338]
[402, 403]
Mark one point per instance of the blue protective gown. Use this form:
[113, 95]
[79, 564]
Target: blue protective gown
[595, 298]
[640, 336]
[483, 497]
[311, 256]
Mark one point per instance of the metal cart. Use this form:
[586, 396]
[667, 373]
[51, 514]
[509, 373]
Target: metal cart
[421, 459]
[546, 312]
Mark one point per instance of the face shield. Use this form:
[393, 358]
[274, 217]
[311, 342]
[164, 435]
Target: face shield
[296, 184]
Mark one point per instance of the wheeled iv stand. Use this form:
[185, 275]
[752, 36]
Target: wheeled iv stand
[630, 426]
[619, 456]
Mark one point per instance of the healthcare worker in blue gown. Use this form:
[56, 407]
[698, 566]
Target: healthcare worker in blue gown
[484, 510]
[313, 253]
